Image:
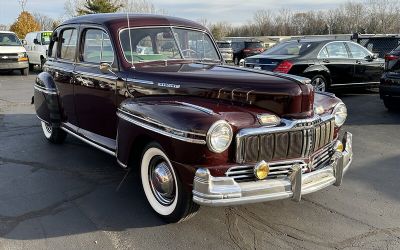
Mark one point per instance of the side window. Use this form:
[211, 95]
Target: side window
[97, 47]
[337, 50]
[68, 41]
[323, 53]
[357, 51]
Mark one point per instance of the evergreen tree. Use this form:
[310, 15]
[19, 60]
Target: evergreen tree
[99, 6]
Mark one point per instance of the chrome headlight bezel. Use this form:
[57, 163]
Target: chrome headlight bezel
[218, 126]
[340, 114]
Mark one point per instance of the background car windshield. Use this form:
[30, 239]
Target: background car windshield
[253, 45]
[224, 45]
[149, 44]
[46, 37]
[9, 40]
[291, 48]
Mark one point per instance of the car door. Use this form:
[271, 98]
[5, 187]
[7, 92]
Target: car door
[336, 58]
[368, 68]
[95, 91]
[60, 66]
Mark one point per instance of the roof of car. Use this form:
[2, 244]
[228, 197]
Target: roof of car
[317, 40]
[134, 19]
[7, 32]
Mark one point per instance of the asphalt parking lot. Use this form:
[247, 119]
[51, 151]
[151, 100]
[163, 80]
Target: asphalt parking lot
[66, 197]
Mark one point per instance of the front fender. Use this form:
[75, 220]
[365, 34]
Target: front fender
[180, 125]
[46, 99]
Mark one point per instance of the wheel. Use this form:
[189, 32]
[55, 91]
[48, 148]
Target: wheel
[319, 83]
[390, 104]
[42, 62]
[53, 134]
[162, 186]
[236, 61]
[31, 67]
[25, 72]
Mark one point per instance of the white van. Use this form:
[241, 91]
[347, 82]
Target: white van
[37, 44]
[12, 54]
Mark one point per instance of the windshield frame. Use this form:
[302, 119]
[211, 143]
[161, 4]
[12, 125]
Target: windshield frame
[171, 27]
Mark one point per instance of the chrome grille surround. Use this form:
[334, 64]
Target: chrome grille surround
[282, 169]
[292, 139]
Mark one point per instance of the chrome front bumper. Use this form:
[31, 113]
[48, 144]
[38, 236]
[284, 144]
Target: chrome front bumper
[225, 191]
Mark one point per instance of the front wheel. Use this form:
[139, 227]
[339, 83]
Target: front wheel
[25, 72]
[162, 186]
[319, 83]
[53, 134]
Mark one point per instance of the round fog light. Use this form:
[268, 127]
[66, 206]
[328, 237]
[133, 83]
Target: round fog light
[261, 170]
[339, 146]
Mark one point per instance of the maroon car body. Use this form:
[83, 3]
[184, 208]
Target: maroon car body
[180, 107]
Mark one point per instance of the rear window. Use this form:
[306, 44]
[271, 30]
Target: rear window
[291, 48]
[253, 45]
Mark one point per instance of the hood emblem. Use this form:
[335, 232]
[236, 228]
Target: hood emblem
[268, 120]
[4, 57]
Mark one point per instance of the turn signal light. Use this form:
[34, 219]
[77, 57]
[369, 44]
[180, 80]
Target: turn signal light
[339, 146]
[23, 59]
[261, 170]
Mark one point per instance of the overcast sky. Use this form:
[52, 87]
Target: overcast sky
[234, 11]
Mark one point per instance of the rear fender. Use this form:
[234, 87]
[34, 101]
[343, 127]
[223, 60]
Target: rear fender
[313, 70]
[46, 99]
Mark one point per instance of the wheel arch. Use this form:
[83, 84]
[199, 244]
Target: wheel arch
[314, 70]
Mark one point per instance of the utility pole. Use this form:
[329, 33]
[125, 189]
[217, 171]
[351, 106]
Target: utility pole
[23, 4]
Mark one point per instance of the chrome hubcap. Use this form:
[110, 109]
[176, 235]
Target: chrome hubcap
[162, 181]
[48, 128]
[319, 84]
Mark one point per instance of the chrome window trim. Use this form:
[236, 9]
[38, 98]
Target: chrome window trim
[139, 121]
[360, 46]
[82, 39]
[344, 44]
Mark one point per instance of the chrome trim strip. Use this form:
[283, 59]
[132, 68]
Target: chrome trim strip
[139, 81]
[205, 110]
[88, 141]
[121, 164]
[83, 74]
[133, 119]
[354, 83]
[44, 90]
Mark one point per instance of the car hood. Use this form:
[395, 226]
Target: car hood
[284, 95]
[11, 49]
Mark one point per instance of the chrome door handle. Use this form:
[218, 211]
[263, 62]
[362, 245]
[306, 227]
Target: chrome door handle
[358, 62]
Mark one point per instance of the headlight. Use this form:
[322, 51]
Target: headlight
[219, 136]
[340, 113]
[22, 57]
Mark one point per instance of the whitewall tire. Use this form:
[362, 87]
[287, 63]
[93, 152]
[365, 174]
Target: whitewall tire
[53, 134]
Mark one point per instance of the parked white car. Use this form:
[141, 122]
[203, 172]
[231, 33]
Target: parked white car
[37, 45]
[12, 53]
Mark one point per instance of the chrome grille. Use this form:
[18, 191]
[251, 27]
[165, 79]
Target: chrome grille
[283, 168]
[299, 139]
[8, 58]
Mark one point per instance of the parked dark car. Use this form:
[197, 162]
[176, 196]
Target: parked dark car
[226, 50]
[328, 63]
[243, 49]
[197, 132]
[389, 88]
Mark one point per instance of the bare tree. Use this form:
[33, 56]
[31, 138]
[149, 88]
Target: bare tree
[46, 22]
[141, 6]
[23, 4]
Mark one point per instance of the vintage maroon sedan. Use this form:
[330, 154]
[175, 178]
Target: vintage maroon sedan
[153, 92]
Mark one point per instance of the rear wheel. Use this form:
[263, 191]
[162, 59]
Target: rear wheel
[31, 67]
[42, 62]
[390, 104]
[53, 134]
[319, 83]
[162, 187]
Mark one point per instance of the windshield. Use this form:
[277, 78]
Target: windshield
[46, 37]
[166, 43]
[224, 45]
[253, 45]
[291, 48]
[9, 39]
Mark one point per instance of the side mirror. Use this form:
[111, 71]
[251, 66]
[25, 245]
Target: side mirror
[23, 41]
[106, 68]
[35, 41]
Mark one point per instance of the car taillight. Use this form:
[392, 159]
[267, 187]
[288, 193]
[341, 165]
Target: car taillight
[284, 67]
[246, 50]
[389, 57]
